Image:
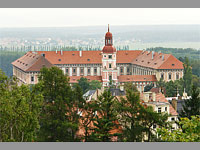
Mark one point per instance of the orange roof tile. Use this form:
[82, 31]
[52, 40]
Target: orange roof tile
[159, 61]
[73, 57]
[171, 63]
[127, 56]
[136, 78]
[88, 57]
[31, 62]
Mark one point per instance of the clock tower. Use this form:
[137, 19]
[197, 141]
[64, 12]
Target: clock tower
[109, 54]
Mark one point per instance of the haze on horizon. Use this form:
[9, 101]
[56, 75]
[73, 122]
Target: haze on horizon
[72, 17]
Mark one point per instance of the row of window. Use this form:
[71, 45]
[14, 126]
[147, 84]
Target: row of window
[74, 71]
[170, 76]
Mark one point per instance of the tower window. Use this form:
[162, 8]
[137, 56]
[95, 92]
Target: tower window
[110, 65]
[110, 77]
[110, 56]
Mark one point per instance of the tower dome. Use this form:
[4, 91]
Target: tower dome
[108, 48]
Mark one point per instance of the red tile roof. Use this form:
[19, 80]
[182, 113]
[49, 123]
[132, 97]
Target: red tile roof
[159, 61]
[73, 57]
[137, 78]
[88, 57]
[171, 63]
[127, 56]
[31, 62]
[74, 79]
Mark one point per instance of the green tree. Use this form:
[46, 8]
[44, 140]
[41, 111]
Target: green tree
[59, 117]
[151, 118]
[19, 111]
[187, 77]
[84, 84]
[105, 118]
[129, 109]
[130, 86]
[95, 84]
[190, 131]
[192, 106]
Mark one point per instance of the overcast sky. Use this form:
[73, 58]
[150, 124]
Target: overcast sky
[62, 17]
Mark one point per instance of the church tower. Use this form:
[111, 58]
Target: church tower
[109, 68]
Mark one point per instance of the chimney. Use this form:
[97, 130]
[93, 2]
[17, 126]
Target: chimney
[61, 52]
[162, 57]
[174, 104]
[152, 54]
[80, 53]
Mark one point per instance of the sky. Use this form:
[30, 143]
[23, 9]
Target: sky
[64, 17]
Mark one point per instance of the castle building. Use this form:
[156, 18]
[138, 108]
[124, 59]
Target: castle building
[137, 66]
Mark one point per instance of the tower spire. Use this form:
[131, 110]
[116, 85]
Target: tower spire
[108, 27]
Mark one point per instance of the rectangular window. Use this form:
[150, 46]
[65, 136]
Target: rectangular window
[110, 56]
[95, 70]
[110, 65]
[165, 108]
[127, 70]
[162, 76]
[67, 70]
[159, 110]
[81, 70]
[121, 70]
[110, 77]
[32, 78]
[154, 126]
[170, 76]
[74, 70]
[88, 70]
